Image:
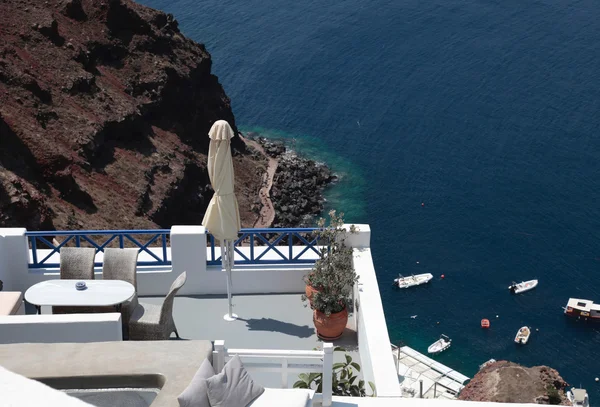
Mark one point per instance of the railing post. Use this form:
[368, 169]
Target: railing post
[284, 373]
[14, 259]
[219, 356]
[327, 373]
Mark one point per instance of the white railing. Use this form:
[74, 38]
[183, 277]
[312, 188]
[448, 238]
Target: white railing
[323, 363]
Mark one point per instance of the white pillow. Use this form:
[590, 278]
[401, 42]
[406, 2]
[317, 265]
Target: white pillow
[196, 394]
[233, 387]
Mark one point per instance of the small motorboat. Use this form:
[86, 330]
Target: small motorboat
[485, 323]
[411, 281]
[486, 364]
[578, 397]
[523, 335]
[518, 288]
[440, 345]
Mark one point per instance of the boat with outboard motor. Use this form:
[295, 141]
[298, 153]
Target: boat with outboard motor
[518, 288]
[412, 281]
[440, 345]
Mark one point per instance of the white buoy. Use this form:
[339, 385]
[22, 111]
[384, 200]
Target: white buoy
[497, 316]
[597, 379]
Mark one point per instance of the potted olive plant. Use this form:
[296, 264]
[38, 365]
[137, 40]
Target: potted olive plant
[330, 282]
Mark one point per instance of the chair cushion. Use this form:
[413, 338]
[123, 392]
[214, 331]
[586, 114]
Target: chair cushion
[233, 387]
[145, 314]
[284, 397]
[196, 394]
[10, 302]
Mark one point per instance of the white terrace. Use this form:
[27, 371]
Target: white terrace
[273, 324]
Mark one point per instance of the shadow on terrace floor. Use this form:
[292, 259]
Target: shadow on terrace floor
[277, 321]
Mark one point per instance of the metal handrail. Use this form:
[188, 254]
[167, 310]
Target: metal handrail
[77, 237]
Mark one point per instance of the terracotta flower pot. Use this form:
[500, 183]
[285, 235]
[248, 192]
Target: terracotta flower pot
[310, 291]
[330, 327]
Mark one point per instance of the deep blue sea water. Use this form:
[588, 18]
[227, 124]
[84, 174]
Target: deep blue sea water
[486, 111]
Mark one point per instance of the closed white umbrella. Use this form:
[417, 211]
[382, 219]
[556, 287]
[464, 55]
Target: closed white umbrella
[222, 217]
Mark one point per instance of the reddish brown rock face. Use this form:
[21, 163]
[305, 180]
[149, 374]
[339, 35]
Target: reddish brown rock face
[507, 382]
[104, 113]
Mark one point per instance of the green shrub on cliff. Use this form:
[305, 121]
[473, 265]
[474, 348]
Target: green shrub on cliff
[553, 396]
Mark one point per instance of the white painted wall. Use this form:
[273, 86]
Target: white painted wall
[373, 338]
[61, 328]
[13, 257]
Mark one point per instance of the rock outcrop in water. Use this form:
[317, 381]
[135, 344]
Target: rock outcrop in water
[507, 382]
[104, 112]
[298, 184]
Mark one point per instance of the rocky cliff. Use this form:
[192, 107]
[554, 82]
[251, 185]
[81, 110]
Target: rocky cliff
[507, 382]
[104, 112]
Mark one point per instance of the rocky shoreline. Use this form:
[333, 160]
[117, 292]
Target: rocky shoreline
[298, 184]
[507, 382]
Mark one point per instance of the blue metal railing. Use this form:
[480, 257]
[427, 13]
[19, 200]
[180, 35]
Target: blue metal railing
[132, 237]
[260, 245]
[265, 246]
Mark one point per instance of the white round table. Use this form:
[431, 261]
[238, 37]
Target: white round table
[98, 293]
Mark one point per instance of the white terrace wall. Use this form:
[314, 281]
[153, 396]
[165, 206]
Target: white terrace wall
[188, 252]
[49, 328]
[373, 340]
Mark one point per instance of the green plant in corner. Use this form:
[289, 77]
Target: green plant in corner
[344, 381]
[333, 274]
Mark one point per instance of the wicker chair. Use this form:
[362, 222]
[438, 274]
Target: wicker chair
[121, 264]
[76, 263]
[155, 322]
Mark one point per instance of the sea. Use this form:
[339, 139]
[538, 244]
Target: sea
[466, 133]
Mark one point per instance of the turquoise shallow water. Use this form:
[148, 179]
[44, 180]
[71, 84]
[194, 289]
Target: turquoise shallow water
[487, 111]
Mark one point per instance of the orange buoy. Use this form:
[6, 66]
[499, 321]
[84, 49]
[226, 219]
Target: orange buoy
[485, 323]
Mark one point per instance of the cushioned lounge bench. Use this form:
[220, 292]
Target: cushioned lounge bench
[171, 363]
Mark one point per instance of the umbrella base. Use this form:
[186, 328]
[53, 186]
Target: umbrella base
[230, 317]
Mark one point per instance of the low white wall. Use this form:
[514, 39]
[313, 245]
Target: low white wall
[50, 328]
[408, 402]
[373, 338]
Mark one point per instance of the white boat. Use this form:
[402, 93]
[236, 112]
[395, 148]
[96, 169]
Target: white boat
[518, 288]
[523, 335]
[440, 345]
[578, 397]
[414, 280]
[583, 309]
[486, 364]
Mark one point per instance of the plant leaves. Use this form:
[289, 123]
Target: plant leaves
[303, 377]
[339, 349]
[352, 379]
[356, 366]
[343, 374]
[314, 376]
[348, 359]
[338, 365]
[372, 385]
[300, 385]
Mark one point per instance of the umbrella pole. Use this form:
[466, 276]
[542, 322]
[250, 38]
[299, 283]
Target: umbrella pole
[227, 260]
